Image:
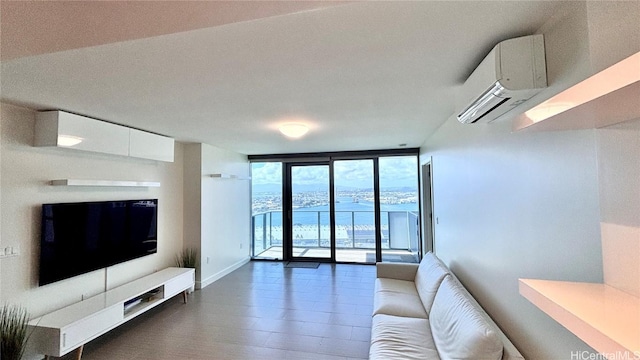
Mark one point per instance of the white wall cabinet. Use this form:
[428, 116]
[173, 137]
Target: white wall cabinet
[58, 128]
[62, 331]
[150, 146]
[62, 129]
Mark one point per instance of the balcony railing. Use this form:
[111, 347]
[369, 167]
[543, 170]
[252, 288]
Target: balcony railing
[354, 230]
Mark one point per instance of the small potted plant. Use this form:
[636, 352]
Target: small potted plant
[188, 258]
[13, 331]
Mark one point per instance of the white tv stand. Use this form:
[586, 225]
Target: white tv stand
[68, 329]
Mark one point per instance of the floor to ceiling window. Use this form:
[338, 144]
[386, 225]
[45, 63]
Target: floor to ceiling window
[339, 207]
[355, 211]
[266, 210]
[399, 209]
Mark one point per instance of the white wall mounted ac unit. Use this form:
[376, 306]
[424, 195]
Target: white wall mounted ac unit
[509, 75]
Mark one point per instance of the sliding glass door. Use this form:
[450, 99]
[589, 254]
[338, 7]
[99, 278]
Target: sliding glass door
[354, 204]
[361, 209]
[309, 212]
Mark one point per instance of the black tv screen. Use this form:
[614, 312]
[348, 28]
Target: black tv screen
[81, 237]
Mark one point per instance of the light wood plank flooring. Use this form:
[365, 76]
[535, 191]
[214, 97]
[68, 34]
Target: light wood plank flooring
[260, 311]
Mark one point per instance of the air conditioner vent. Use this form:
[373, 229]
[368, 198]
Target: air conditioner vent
[512, 73]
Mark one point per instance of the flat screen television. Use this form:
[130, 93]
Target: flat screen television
[77, 238]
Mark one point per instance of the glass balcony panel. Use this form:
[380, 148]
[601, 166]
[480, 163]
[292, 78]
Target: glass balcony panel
[355, 235]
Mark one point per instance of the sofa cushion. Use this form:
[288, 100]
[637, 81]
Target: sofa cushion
[394, 337]
[397, 297]
[430, 273]
[395, 285]
[458, 328]
[398, 271]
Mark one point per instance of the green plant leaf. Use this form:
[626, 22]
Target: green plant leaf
[188, 258]
[13, 331]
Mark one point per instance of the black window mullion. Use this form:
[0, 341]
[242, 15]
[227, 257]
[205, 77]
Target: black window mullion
[376, 206]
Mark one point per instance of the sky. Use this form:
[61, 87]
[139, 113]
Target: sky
[397, 171]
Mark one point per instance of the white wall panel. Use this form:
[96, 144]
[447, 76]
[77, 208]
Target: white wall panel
[226, 212]
[218, 210]
[512, 206]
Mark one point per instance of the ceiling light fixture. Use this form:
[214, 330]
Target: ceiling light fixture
[294, 130]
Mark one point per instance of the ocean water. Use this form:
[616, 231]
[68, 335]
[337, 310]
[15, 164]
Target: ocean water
[347, 211]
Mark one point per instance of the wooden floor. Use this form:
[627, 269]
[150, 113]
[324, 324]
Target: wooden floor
[260, 311]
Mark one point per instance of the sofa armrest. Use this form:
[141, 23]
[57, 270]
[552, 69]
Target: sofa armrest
[398, 271]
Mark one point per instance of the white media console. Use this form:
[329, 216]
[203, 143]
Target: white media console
[68, 329]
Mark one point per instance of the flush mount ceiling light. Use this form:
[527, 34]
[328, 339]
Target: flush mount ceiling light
[293, 130]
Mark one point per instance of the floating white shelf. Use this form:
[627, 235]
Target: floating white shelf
[117, 183]
[604, 317]
[606, 98]
[230, 176]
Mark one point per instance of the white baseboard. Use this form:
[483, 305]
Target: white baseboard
[217, 276]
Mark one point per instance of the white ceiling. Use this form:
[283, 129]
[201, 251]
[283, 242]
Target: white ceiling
[365, 75]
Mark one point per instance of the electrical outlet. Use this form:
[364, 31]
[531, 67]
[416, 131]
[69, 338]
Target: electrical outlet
[240, 245]
[9, 251]
[207, 259]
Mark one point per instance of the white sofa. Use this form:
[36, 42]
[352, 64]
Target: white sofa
[423, 312]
